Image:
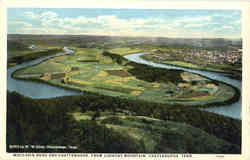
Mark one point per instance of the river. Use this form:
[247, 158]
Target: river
[35, 89]
[233, 110]
[42, 90]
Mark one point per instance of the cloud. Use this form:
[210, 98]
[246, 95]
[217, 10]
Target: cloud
[48, 15]
[227, 27]
[181, 25]
[19, 23]
[30, 15]
[44, 15]
[237, 22]
[194, 19]
[110, 21]
[106, 23]
[197, 25]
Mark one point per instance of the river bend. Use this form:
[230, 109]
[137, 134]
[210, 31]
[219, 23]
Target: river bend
[39, 90]
[232, 110]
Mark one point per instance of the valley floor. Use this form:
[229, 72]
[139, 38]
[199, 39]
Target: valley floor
[109, 73]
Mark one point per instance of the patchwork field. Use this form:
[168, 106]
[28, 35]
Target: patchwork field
[96, 70]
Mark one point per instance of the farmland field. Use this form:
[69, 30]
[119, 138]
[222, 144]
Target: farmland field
[92, 70]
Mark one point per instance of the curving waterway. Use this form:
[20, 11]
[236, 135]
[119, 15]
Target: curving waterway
[232, 110]
[39, 90]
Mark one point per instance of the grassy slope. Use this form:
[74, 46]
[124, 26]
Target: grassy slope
[161, 136]
[34, 121]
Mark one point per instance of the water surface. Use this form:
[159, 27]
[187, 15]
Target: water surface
[233, 110]
[37, 90]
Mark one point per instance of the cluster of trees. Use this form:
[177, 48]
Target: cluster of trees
[34, 55]
[152, 74]
[16, 45]
[48, 122]
[194, 45]
[147, 73]
[32, 122]
[115, 57]
[223, 127]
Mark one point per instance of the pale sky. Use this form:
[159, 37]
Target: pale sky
[126, 22]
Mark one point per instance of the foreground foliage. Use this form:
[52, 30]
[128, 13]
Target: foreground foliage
[50, 122]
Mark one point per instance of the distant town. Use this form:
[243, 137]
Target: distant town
[233, 56]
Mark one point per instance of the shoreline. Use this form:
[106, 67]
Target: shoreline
[232, 100]
[227, 74]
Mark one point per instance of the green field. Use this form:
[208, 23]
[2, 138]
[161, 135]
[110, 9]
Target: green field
[108, 73]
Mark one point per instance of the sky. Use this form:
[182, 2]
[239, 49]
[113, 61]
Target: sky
[126, 22]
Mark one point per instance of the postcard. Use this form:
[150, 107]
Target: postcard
[142, 80]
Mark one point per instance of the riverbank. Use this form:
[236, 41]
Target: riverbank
[234, 99]
[32, 56]
[235, 74]
[130, 80]
[29, 88]
[233, 110]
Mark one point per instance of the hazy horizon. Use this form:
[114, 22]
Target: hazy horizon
[240, 38]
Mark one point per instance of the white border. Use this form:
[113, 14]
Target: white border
[138, 4]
